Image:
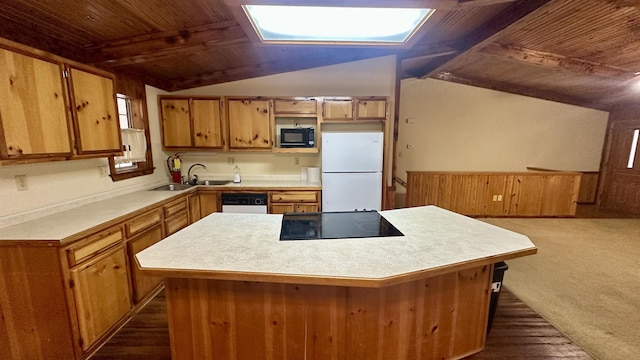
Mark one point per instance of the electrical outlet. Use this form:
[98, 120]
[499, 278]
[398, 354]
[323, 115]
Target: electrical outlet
[21, 182]
[104, 170]
[231, 161]
[495, 197]
[296, 161]
[499, 197]
[410, 146]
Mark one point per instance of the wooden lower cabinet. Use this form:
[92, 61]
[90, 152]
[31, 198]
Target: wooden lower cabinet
[288, 208]
[439, 317]
[209, 203]
[176, 216]
[194, 208]
[281, 202]
[143, 285]
[101, 293]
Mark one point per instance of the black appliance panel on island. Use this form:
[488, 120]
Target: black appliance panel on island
[336, 225]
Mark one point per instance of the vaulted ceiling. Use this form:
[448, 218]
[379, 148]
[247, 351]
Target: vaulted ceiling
[582, 52]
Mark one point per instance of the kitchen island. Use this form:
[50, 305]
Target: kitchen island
[235, 291]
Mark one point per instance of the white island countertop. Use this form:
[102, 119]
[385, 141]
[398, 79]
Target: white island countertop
[247, 247]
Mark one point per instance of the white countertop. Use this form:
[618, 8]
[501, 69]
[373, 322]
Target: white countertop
[67, 223]
[242, 243]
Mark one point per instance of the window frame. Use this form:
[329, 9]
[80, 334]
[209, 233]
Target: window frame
[138, 120]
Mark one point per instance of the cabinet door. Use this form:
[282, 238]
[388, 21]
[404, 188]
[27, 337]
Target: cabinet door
[281, 208]
[176, 125]
[338, 110]
[306, 208]
[194, 208]
[96, 116]
[143, 284]
[101, 292]
[371, 109]
[249, 124]
[32, 107]
[207, 123]
[294, 106]
[209, 203]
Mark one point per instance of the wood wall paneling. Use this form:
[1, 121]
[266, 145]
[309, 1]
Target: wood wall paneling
[439, 317]
[496, 194]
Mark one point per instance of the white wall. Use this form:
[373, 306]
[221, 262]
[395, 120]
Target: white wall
[462, 128]
[56, 186]
[359, 78]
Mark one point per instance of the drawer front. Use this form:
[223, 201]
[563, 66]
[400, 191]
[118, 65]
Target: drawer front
[175, 208]
[94, 244]
[295, 106]
[176, 223]
[142, 222]
[295, 196]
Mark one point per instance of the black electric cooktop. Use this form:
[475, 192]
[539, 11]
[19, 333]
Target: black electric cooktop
[335, 225]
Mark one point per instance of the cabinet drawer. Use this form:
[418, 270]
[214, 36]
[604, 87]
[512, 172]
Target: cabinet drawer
[295, 196]
[175, 207]
[295, 106]
[142, 222]
[93, 245]
[176, 223]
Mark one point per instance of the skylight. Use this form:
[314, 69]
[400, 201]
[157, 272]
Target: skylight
[315, 24]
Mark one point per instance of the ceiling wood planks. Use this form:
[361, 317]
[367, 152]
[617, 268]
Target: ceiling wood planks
[582, 52]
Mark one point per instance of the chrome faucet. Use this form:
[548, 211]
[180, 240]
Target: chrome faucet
[193, 181]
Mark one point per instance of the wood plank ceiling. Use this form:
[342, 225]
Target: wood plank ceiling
[582, 52]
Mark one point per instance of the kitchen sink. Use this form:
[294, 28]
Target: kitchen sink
[214, 182]
[173, 187]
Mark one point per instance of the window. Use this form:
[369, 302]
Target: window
[125, 118]
[634, 148]
[325, 24]
[134, 126]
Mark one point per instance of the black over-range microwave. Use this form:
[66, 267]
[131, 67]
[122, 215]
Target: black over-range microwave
[297, 137]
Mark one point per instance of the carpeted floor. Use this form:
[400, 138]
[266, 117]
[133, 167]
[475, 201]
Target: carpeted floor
[585, 280]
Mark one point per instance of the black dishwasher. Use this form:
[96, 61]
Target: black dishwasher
[244, 203]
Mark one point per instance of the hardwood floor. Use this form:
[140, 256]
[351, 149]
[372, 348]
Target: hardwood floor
[518, 333]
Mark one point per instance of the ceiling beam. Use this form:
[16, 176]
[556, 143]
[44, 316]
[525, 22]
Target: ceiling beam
[513, 17]
[162, 45]
[555, 61]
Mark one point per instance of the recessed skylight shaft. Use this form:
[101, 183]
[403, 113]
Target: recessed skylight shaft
[335, 24]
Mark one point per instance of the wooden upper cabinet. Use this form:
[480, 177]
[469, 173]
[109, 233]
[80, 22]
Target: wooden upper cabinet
[96, 118]
[33, 116]
[337, 110]
[371, 109]
[249, 124]
[176, 123]
[302, 106]
[207, 123]
[189, 123]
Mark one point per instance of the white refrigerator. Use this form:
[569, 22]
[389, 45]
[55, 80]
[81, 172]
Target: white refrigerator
[352, 171]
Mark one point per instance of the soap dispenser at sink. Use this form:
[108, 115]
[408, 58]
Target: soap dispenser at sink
[236, 175]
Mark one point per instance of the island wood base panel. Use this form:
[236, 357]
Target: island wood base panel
[442, 317]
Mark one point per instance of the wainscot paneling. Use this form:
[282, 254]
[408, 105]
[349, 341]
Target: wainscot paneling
[496, 193]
